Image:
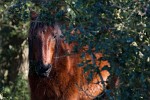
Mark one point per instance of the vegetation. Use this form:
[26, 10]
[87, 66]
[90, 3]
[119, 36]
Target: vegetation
[119, 29]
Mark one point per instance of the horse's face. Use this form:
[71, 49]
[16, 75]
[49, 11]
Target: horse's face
[42, 48]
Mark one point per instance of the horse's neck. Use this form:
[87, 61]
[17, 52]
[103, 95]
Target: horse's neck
[64, 57]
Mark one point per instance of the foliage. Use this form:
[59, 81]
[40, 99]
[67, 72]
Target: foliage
[119, 29]
[13, 36]
[16, 91]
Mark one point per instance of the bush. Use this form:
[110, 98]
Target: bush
[18, 90]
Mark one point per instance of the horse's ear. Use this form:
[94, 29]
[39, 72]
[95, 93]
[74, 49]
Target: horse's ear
[33, 14]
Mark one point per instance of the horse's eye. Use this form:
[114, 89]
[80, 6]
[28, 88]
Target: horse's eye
[54, 36]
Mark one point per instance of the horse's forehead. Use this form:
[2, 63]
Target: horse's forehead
[42, 30]
[51, 30]
[46, 29]
[57, 30]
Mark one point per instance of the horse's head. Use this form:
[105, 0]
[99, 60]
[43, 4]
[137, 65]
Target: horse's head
[42, 40]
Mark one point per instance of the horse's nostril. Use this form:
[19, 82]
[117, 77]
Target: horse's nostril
[43, 70]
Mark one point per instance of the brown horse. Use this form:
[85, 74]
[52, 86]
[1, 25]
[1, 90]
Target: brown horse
[53, 69]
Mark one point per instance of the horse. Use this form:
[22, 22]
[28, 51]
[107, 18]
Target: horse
[54, 73]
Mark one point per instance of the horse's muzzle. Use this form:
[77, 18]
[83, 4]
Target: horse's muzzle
[43, 70]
